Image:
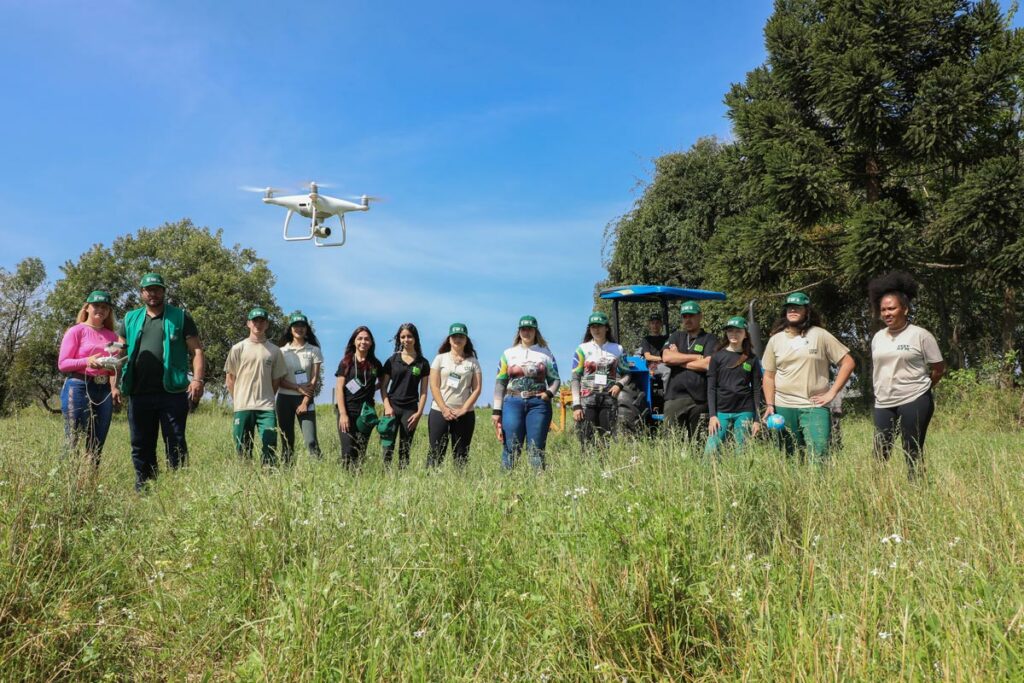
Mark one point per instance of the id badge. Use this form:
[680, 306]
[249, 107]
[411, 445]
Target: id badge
[301, 378]
[353, 386]
[453, 380]
[600, 380]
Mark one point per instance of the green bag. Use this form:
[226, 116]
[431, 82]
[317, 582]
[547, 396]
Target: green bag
[367, 419]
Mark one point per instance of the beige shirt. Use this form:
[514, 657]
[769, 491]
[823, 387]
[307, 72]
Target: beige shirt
[800, 364]
[900, 364]
[255, 366]
[300, 359]
[456, 379]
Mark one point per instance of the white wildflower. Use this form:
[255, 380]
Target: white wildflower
[884, 635]
[875, 572]
[420, 633]
[735, 504]
[607, 474]
[737, 594]
[750, 556]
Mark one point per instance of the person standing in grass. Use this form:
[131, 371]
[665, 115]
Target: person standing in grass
[688, 353]
[296, 397]
[734, 388]
[599, 373]
[796, 363]
[254, 371]
[456, 380]
[155, 377]
[358, 378]
[88, 396]
[403, 390]
[906, 365]
[527, 381]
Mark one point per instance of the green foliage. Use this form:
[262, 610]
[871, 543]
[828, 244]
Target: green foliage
[20, 295]
[217, 285]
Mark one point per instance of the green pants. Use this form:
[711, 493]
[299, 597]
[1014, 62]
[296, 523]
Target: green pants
[806, 428]
[248, 421]
[737, 424]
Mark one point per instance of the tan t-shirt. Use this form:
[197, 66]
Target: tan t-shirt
[800, 364]
[900, 363]
[456, 379]
[255, 366]
[301, 359]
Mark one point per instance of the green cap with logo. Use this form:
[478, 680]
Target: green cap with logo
[798, 299]
[528, 321]
[152, 280]
[367, 419]
[598, 318]
[690, 308]
[258, 312]
[458, 328]
[387, 427]
[98, 296]
[297, 317]
[737, 321]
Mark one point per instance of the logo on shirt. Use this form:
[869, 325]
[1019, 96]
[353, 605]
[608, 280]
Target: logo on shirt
[903, 347]
[416, 370]
[699, 348]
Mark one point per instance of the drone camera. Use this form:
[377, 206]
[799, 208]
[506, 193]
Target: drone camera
[322, 231]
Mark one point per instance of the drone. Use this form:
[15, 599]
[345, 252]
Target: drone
[317, 208]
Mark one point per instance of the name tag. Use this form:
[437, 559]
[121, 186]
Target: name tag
[301, 378]
[600, 379]
[453, 380]
[353, 386]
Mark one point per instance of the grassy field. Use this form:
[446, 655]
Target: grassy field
[647, 564]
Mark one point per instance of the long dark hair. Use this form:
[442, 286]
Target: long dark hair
[287, 338]
[415, 335]
[898, 284]
[746, 349]
[446, 346]
[812, 319]
[609, 336]
[350, 349]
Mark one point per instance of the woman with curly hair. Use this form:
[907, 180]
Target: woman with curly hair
[906, 364]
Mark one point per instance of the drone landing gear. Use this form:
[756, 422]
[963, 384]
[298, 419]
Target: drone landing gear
[317, 231]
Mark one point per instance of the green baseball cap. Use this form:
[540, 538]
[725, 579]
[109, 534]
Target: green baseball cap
[387, 427]
[736, 321]
[98, 296]
[598, 318]
[798, 299]
[458, 328]
[152, 280]
[528, 321]
[367, 419]
[690, 308]
[258, 312]
[297, 317]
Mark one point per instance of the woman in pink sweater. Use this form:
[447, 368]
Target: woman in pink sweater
[88, 396]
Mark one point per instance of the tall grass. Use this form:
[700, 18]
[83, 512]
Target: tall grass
[643, 564]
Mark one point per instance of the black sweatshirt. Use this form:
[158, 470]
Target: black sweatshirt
[733, 388]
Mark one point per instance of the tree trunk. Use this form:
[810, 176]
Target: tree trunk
[873, 185]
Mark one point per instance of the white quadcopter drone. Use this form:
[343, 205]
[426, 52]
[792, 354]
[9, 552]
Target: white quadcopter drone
[317, 208]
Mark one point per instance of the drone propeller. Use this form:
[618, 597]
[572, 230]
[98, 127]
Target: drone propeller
[367, 197]
[261, 190]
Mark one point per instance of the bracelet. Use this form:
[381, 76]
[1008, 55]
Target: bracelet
[496, 412]
[577, 406]
[200, 380]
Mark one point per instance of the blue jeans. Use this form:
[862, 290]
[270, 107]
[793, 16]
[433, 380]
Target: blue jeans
[150, 415]
[87, 409]
[525, 420]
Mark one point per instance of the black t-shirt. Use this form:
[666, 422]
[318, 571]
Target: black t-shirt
[366, 376]
[148, 365]
[733, 388]
[683, 382]
[653, 344]
[403, 388]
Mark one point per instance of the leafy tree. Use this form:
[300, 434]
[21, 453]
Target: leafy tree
[20, 299]
[215, 284]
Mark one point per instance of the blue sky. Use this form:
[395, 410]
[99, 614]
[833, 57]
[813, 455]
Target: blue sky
[504, 135]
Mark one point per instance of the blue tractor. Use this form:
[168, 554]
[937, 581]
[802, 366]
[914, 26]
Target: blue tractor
[640, 406]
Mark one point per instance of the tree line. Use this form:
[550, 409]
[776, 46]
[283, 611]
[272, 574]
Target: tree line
[878, 135]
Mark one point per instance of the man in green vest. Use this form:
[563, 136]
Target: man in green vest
[155, 379]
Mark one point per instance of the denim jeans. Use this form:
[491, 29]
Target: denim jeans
[525, 421]
[152, 414]
[87, 409]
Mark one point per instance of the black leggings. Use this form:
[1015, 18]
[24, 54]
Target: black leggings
[404, 435]
[353, 442]
[600, 412]
[913, 419]
[461, 432]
